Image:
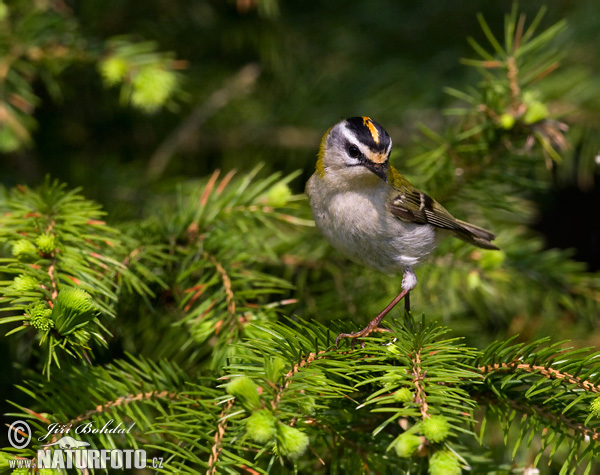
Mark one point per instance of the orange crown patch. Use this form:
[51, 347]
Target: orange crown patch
[371, 126]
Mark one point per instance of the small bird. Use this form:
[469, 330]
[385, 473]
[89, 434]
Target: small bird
[372, 214]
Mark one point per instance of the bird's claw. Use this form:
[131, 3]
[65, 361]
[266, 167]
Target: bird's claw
[360, 334]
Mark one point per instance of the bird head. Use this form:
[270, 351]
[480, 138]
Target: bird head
[355, 147]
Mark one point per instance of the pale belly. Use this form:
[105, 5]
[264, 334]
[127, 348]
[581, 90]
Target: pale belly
[360, 226]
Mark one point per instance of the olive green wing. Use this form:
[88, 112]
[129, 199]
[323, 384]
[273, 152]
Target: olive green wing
[411, 205]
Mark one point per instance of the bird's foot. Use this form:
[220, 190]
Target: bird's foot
[370, 328]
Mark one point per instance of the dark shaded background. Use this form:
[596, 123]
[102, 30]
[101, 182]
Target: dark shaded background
[319, 62]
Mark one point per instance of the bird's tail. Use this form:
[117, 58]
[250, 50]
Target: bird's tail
[475, 235]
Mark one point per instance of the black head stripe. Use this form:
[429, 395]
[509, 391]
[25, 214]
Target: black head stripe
[369, 133]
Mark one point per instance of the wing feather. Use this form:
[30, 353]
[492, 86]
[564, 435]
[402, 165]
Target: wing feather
[415, 206]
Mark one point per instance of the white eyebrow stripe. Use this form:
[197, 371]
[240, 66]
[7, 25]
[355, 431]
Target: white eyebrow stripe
[350, 137]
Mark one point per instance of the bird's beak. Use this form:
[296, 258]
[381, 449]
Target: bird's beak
[380, 169]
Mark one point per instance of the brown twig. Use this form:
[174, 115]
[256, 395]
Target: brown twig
[531, 409]
[52, 267]
[549, 373]
[512, 74]
[303, 364]
[288, 377]
[217, 446]
[124, 400]
[121, 401]
[53, 280]
[131, 256]
[229, 296]
[238, 85]
[420, 395]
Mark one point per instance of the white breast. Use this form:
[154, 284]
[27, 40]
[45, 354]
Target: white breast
[358, 224]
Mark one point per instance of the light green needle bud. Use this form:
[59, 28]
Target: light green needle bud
[407, 444]
[23, 248]
[444, 462]
[76, 299]
[152, 86]
[435, 429]
[39, 310]
[595, 407]
[42, 324]
[274, 368]
[25, 283]
[291, 441]
[279, 195]
[403, 395]
[74, 309]
[5, 457]
[39, 317]
[261, 426]
[113, 70]
[492, 259]
[244, 389]
[507, 121]
[46, 243]
[536, 111]
[473, 280]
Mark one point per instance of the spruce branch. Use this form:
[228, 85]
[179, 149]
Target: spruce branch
[576, 428]
[122, 401]
[545, 371]
[60, 244]
[230, 297]
[288, 379]
[216, 449]
[420, 395]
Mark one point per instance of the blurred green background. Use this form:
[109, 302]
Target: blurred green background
[317, 62]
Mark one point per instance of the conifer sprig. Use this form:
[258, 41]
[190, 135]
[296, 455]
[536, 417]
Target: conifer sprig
[64, 268]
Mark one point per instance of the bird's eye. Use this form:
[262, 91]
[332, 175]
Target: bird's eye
[353, 151]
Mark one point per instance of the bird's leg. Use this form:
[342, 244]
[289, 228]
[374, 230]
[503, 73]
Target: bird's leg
[409, 280]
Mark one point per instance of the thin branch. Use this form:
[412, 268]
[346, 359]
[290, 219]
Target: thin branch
[533, 409]
[229, 296]
[217, 446]
[303, 364]
[120, 401]
[51, 269]
[420, 395]
[513, 73]
[288, 377]
[549, 373]
[124, 400]
[52, 275]
[238, 85]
